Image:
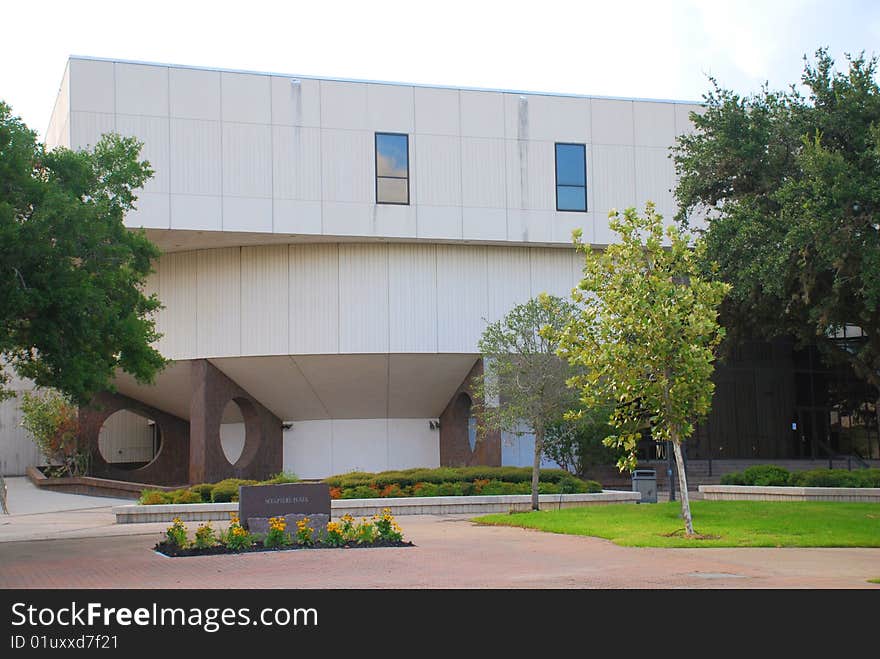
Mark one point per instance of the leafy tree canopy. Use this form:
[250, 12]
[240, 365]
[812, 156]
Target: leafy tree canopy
[523, 374]
[72, 310]
[644, 335]
[790, 185]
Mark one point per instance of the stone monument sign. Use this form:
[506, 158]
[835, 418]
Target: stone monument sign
[293, 501]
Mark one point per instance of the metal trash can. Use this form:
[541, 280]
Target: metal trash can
[645, 482]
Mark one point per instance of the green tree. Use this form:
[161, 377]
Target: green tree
[644, 335]
[72, 310]
[53, 423]
[575, 440]
[523, 375]
[790, 184]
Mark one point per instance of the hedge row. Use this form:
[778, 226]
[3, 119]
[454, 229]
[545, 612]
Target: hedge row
[420, 482]
[409, 477]
[570, 485]
[766, 475]
[222, 492]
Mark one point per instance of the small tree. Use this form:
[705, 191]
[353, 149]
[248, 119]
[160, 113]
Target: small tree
[575, 441]
[645, 335]
[53, 424]
[524, 374]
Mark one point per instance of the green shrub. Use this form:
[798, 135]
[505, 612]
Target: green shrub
[281, 478]
[358, 492]
[424, 490]
[203, 490]
[185, 496]
[733, 478]
[406, 478]
[826, 478]
[766, 475]
[227, 490]
[154, 498]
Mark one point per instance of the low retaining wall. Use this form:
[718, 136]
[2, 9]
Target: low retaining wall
[781, 493]
[477, 505]
[96, 487]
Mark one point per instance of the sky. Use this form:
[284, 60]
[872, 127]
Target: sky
[641, 49]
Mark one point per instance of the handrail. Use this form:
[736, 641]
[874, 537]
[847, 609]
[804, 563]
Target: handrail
[832, 456]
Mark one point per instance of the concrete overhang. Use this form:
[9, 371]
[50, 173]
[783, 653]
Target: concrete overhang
[307, 387]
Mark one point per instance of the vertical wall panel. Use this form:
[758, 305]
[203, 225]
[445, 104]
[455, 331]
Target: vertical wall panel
[412, 281]
[613, 179]
[296, 156]
[314, 299]
[179, 295]
[531, 172]
[247, 160]
[347, 165]
[363, 298]
[655, 176]
[483, 172]
[219, 302]
[154, 133]
[86, 128]
[195, 156]
[551, 272]
[439, 170]
[264, 300]
[509, 277]
[462, 300]
[58, 132]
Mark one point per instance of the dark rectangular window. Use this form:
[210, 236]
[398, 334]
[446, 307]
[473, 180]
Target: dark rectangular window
[392, 168]
[571, 177]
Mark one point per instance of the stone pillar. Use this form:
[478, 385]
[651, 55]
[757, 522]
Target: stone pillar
[262, 453]
[455, 450]
[169, 467]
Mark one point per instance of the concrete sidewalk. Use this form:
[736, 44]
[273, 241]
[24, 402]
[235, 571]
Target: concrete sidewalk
[72, 541]
[25, 498]
[37, 514]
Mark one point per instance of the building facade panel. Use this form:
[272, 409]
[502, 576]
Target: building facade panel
[412, 298]
[265, 312]
[219, 302]
[314, 299]
[141, 89]
[462, 300]
[363, 298]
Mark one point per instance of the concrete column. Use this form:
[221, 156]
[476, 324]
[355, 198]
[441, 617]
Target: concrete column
[262, 453]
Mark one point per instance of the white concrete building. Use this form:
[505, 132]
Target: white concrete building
[335, 248]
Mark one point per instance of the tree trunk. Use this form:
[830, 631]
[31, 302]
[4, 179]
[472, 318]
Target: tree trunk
[683, 489]
[536, 467]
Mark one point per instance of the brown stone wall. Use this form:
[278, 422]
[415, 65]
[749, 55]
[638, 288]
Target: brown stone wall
[455, 450]
[262, 453]
[170, 465]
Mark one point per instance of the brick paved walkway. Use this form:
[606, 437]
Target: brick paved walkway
[451, 552]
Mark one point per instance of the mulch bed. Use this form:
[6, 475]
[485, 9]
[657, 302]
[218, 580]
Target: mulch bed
[167, 549]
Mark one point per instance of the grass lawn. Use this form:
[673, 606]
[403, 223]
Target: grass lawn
[877, 580]
[721, 523]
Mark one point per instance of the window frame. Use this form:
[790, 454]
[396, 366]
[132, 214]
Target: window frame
[586, 208]
[376, 135]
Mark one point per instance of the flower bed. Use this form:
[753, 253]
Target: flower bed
[380, 531]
